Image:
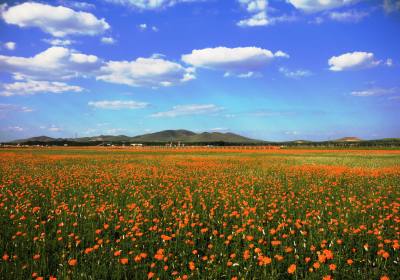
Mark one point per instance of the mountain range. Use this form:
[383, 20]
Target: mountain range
[203, 138]
[165, 136]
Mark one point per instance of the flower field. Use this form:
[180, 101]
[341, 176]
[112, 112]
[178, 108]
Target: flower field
[103, 213]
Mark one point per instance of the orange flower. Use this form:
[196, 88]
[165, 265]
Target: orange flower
[384, 277]
[165, 237]
[322, 258]
[385, 255]
[349, 261]
[291, 269]
[249, 237]
[117, 253]
[123, 260]
[275, 242]
[264, 260]
[246, 255]
[5, 257]
[328, 254]
[327, 277]
[72, 262]
[332, 267]
[36, 257]
[192, 266]
[150, 275]
[278, 258]
[88, 250]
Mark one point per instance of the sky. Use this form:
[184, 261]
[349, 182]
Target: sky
[271, 70]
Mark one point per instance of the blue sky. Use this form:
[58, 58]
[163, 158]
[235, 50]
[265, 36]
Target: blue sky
[273, 70]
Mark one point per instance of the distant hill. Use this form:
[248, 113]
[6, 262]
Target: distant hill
[166, 136]
[44, 139]
[204, 138]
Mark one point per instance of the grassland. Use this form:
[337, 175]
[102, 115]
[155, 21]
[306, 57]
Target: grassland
[98, 213]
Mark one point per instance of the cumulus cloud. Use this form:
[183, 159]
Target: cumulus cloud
[258, 11]
[319, 5]
[31, 87]
[10, 45]
[296, 74]
[147, 72]
[108, 40]
[150, 4]
[53, 63]
[232, 60]
[186, 110]
[58, 21]
[118, 104]
[348, 16]
[354, 60]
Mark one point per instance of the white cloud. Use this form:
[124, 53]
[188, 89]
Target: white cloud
[118, 104]
[391, 6]
[7, 108]
[58, 21]
[54, 128]
[15, 128]
[150, 4]
[319, 5]
[144, 26]
[53, 63]
[348, 16]
[259, 19]
[186, 110]
[375, 92]
[233, 60]
[108, 40]
[58, 42]
[316, 20]
[354, 60]
[77, 5]
[389, 62]
[297, 74]
[147, 72]
[258, 11]
[31, 87]
[219, 129]
[10, 45]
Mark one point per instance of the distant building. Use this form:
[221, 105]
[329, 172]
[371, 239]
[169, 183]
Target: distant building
[137, 145]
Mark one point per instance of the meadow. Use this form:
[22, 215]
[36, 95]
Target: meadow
[197, 213]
